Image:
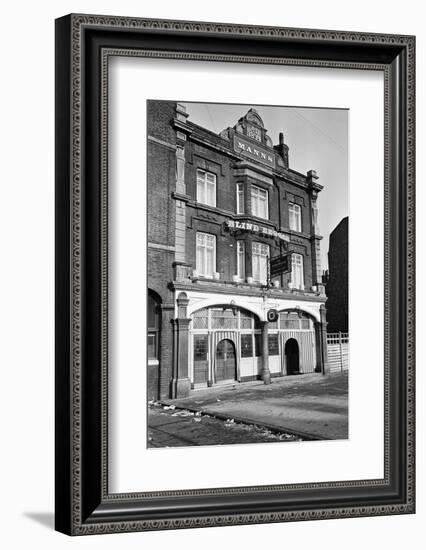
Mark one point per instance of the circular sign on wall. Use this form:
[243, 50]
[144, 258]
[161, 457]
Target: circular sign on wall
[272, 315]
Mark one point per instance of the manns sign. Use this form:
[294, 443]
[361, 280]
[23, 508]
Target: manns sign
[253, 151]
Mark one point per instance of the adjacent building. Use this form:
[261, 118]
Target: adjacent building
[337, 279]
[220, 206]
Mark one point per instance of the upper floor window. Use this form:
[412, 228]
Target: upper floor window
[295, 217]
[297, 280]
[206, 254]
[259, 202]
[206, 187]
[241, 260]
[240, 198]
[260, 256]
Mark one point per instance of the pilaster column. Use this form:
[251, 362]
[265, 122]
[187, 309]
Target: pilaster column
[266, 375]
[321, 338]
[181, 383]
[180, 229]
[166, 347]
[314, 189]
[318, 347]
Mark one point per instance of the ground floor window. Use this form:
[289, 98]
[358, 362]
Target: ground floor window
[273, 348]
[200, 347]
[223, 318]
[293, 320]
[258, 345]
[201, 353]
[154, 323]
[246, 345]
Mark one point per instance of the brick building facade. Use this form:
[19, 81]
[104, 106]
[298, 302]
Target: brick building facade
[337, 279]
[220, 206]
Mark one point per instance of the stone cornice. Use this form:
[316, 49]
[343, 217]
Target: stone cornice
[228, 287]
[162, 143]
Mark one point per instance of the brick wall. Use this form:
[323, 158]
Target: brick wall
[160, 115]
[337, 285]
[280, 194]
[161, 233]
[165, 210]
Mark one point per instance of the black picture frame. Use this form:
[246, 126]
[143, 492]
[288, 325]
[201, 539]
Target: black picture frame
[83, 504]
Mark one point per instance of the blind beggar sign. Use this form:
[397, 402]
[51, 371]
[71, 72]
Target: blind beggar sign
[279, 264]
[255, 228]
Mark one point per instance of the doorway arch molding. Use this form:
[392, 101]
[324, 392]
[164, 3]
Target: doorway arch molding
[308, 312]
[238, 303]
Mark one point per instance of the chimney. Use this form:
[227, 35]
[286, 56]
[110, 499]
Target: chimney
[282, 149]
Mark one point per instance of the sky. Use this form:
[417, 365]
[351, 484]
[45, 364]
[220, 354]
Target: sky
[317, 140]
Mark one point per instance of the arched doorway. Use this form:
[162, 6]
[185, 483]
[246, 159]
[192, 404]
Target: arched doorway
[225, 361]
[291, 351]
[298, 325]
[154, 325]
[211, 325]
[153, 344]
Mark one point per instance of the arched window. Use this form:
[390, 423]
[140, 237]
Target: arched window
[154, 325]
[295, 320]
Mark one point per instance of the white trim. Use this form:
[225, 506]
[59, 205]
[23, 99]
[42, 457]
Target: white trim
[162, 247]
[255, 304]
[161, 142]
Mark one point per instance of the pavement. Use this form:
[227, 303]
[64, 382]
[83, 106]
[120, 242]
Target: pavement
[309, 406]
[171, 427]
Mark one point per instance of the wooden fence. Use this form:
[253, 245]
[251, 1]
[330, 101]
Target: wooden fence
[338, 351]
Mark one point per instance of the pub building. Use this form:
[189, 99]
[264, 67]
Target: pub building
[220, 207]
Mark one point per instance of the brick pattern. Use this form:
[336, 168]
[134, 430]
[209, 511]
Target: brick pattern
[176, 149]
[161, 228]
[280, 194]
[337, 285]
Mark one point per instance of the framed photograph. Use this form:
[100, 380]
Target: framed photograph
[234, 274]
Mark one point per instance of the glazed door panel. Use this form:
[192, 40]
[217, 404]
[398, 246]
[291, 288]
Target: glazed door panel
[226, 365]
[200, 358]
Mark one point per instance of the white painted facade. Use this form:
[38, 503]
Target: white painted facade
[250, 368]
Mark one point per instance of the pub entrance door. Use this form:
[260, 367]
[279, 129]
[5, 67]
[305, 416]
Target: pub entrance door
[292, 356]
[226, 361]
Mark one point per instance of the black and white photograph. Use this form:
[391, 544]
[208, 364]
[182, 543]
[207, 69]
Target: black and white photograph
[209, 275]
[247, 260]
